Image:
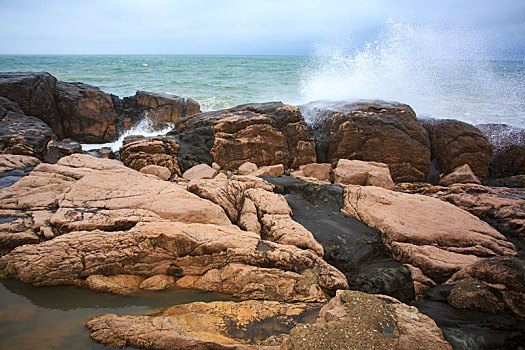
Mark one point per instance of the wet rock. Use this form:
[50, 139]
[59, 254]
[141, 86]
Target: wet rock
[247, 168]
[157, 282]
[264, 134]
[462, 174]
[371, 131]
[511, 181]
[24, 135]
[35, 94]
[87, 113]
[104, 152]
[454, 143]
[161, 172]
[349, 245]
[509, 149]
[476, 295]
[201, 171]
[10, 162]
[216, 325]
[58, 149]
[361, 321]
[419, 230]
[117, 284]
[250, 203]
[357, 172]
[159, 150]
[200, 256]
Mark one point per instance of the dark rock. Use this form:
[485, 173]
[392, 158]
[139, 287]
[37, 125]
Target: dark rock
[261, 133]
[165, 108]
[58, 149]
[88, 113]
[104, 152]
[372, 131]
[454, 143]
[509, 149]
[352, 247]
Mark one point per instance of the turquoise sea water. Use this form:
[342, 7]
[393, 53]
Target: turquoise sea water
[476, 91]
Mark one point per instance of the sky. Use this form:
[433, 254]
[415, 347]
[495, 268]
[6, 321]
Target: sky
[264, 27]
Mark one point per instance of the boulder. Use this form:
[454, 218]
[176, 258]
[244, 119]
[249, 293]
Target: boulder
[199, 256]
[454, 143]
[58, 149]
[436, 237]
[508, 142]
[320, 171]
[14, 167]
[264, 134]
[161, 172]
[104, 152]
[214, 325]
[35, 94]
[357, 172]
[164, 108]
[270, 170]
[87, 113]
[371, 131]
[357, 320]
[201, 171]
[161, 150]
[247, 168]
[461, 175]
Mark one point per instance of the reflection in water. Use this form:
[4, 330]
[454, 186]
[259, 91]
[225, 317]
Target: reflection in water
[55, 317]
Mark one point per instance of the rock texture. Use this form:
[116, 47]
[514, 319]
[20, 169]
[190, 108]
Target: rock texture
[216, 325]
[419, 231]
[142, 152]
[357, 320]
[161, 172]
[461, 175]
[251, 204]
[264, 134]
[58, 149]
[201, 171]
[14, 167]
[371, 131]
[454, 143]
[164, 108]
[357, 172]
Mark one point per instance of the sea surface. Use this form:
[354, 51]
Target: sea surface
[475, 91]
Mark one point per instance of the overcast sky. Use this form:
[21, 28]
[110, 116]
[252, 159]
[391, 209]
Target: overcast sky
[240, 26]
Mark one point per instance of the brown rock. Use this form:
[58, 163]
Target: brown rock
[201, 256]
[419, 230]
[320, 171]
[264, 134]
[358, 320]
[117, 284]
[201, 171]
[371, 131]
[11, 161]
[270, 170]
[473, 294]
[161, 172]
[157, 282]
[160, 151]
[357, 172]
[247, 168]
[462, 174]
[454, 143]
[87, 113]
[215, 325]
[58, 149]
[166, 108]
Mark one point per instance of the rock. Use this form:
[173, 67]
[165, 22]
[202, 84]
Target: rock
[264, 134]
[511, 181]
[508, 142]
[270, 170]
[104, 152]
[349, 245]
[250, 203]
[161, 172]
[88, 113]
[357, 172]
[419, 230]
[200, 256]
[133, 138]
[118, 284]
[58, 149]
[35, 94]
[160, 151]
[24, 135]
[164, 108]
[250, 324]
[461, 175]
[10, 162]
[157, 282]
[361, 321]
[454, 143]
[490, 284]
[247, 168]
[215, 166]
[320, 171]
[371, 131]
[503, 208]
[201, 171]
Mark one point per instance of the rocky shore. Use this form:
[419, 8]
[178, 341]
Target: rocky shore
[331, 225]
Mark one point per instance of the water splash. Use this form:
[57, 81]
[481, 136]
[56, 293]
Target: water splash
[440, 71]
